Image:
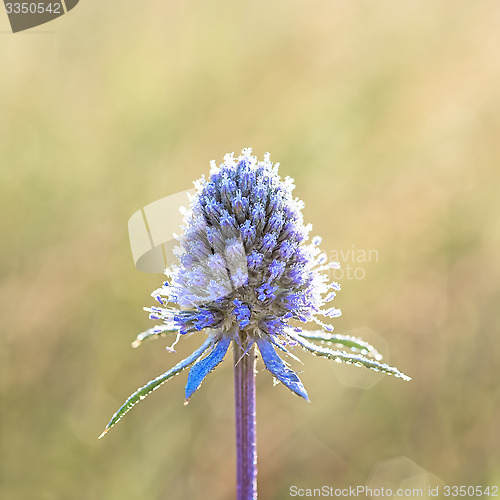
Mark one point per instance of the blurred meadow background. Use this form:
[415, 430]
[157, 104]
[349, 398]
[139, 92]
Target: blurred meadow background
[387, 114]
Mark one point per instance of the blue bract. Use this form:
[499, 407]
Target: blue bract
[248, 273]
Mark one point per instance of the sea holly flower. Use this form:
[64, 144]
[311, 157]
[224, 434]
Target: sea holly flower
[248, 275]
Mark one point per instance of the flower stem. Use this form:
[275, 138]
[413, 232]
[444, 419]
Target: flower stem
[246, 435]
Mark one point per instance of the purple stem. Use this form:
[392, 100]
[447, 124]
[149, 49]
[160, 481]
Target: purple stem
[246, 435]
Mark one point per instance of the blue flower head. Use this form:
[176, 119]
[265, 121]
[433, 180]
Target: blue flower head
[248, 273]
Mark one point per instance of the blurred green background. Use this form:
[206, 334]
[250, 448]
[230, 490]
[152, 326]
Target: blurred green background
[387, 114]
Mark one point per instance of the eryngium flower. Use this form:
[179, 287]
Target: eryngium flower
[247, 273]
